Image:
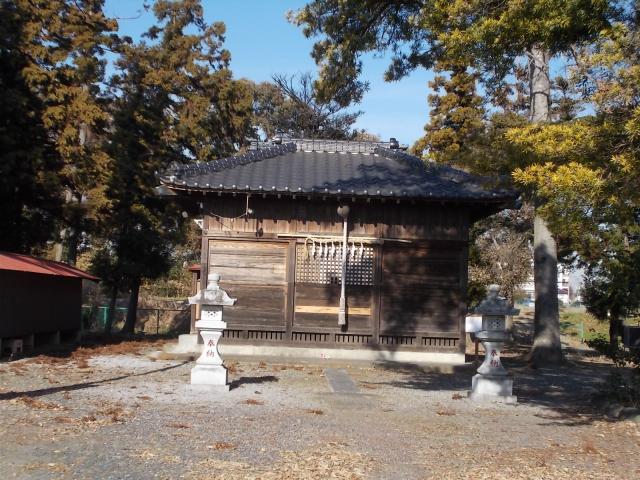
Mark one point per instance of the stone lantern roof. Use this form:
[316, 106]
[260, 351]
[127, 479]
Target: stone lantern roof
[494, 304]
[213, 294]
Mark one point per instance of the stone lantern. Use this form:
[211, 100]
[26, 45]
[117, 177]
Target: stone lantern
[209, 371]
[492, 381]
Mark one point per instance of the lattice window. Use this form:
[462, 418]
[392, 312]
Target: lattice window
[321, 263]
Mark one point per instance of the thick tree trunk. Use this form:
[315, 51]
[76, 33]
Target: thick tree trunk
[111, 311]
[539, 85]
[615, 331]
[73, 232]
[132, 309]
[546, 337]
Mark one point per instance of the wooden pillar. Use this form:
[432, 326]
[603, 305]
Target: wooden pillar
[195, 310]
[291, 289]
[464, 274]
[204, 263]
[376, 294]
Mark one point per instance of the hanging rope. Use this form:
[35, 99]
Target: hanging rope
[329, 248]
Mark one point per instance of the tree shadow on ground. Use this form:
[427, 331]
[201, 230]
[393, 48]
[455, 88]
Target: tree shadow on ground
[567, 391]
[252, 381]
[116, 343]
[81, 386]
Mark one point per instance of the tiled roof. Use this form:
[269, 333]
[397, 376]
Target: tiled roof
[359, 169]
[27, 263]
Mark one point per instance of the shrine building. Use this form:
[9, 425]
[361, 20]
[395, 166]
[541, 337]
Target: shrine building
[284, 224]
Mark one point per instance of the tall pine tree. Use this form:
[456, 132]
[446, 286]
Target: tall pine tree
[30, 190]
[174, 101]
[64, 41]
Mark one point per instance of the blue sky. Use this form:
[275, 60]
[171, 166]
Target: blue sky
[263, 43]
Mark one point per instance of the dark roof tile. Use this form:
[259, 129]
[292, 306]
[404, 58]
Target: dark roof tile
[378, 171]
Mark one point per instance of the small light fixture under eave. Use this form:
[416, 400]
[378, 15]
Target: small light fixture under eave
[199, 222]
[343, 211]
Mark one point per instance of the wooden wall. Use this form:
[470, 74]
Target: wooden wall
[32, 303]
[413, 299]
[272, 216]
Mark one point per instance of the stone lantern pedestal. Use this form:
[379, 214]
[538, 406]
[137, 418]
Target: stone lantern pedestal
[209, 372]
[492, 382]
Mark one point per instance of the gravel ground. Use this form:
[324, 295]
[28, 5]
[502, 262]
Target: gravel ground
[114, 413]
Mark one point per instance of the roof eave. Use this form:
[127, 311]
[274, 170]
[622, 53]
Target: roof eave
[507, 199]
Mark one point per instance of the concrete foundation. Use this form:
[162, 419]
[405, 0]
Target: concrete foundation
[343, 354]
[188, 344]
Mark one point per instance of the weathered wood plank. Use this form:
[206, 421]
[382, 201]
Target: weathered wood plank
[249, 262]
[329, 295]
[286, 215]
[256, 305]
[329, 321]
[332, 310]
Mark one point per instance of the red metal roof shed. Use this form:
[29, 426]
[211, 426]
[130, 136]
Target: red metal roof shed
[40, 300]
[27, 263]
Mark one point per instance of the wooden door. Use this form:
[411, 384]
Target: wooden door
[254, 273]
[317, 294]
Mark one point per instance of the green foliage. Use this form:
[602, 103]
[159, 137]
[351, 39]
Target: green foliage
[456, 116]
[612, 288]
[422, 34]
[29, 187]
[64, 44]
[585, 172]
[600, 343]
[623, 384]
[173, 100]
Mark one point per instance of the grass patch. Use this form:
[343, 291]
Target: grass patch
[581, 325]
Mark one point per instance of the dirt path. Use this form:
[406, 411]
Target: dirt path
[97, 415]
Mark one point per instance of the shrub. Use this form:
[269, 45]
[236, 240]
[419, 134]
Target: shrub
[623, 384]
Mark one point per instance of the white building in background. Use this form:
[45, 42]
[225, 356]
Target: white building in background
[566, 294]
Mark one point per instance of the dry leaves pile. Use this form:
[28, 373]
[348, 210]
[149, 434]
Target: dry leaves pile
[584, 459]
[328, 461]
[38, 404]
